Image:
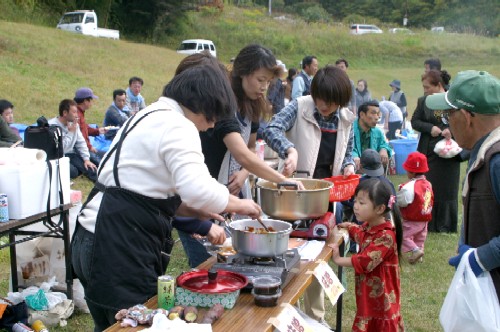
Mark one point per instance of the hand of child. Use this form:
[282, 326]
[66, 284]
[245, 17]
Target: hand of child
[346, 224]
[335, 250]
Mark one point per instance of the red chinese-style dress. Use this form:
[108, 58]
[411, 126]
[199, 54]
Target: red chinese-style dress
[377, 279]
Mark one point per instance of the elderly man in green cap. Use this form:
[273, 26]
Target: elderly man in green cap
[472, 108]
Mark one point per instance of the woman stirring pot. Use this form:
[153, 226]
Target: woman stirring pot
[154, 169]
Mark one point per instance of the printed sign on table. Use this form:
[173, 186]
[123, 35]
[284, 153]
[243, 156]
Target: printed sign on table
[289, 320]
[329, 281]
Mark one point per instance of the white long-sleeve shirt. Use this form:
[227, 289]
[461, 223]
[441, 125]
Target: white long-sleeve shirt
[161, 157]
[72, 141]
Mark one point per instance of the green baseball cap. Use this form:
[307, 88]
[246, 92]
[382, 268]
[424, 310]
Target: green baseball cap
[471, 90]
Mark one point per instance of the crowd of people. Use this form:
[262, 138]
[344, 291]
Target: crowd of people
[196, 167]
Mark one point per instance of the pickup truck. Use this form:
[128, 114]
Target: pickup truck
[85, 22]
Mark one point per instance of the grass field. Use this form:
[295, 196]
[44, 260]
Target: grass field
[40, 66]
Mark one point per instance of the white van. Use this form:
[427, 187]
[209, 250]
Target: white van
[361, 29]
[192, 46]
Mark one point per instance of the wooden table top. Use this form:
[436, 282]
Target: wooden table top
[245, 313]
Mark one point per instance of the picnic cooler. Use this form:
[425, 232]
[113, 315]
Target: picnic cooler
[27, 186]
[402, 148]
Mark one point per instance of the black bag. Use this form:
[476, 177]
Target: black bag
[45, 137]
[14, 313]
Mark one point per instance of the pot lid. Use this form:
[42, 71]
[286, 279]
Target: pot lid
[213, 282]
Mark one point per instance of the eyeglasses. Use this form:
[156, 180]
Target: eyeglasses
[445, 115]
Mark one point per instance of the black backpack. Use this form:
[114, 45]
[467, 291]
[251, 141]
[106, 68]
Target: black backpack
[45, 137]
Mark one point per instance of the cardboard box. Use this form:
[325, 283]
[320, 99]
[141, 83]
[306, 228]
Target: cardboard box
[27, 187]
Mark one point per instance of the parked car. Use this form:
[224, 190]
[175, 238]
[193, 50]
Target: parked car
[361, 29]
[437, 29]
[85, 22]
[401, 30]
[192, 46]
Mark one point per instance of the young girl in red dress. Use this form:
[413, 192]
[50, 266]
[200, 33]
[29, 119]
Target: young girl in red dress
[376, 265]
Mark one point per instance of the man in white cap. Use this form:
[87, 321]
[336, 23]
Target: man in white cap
[472, 108]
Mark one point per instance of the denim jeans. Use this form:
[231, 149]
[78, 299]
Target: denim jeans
[77, 167]
[195, 251]
[81, 258]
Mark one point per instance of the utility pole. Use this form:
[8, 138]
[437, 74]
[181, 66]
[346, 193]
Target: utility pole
[405, 19]
[270, 7]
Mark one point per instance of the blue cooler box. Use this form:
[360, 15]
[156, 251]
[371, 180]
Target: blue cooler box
[402, 148]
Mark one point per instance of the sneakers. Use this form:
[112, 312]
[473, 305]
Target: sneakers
[415, 256]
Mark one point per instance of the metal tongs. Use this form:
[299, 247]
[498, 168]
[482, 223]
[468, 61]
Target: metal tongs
[228, 218]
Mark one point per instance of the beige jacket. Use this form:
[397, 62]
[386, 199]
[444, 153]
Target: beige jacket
[306, 136]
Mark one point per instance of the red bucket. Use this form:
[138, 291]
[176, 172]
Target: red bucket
[343, 188]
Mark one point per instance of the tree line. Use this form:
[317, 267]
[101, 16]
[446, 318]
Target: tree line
[158, 17]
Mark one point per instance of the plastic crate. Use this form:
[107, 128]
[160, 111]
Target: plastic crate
[343, 188]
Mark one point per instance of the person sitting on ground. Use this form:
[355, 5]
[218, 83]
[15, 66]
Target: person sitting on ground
[367, 135]
[7, 136]
[84, 98]
[74, 144]
[415, 199]
[7, 113]
[135, 101]
[116, 114]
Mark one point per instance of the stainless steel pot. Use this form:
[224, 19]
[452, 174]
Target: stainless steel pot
[269, 153]
[288, 203]
[260, 244]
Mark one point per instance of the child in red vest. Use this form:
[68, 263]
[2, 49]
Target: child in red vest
[415, 199]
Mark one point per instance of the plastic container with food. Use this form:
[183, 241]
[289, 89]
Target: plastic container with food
[266, 300]
[266, 285]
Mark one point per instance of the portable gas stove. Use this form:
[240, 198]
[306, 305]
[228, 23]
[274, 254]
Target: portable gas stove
[284, 266]
[319, 228]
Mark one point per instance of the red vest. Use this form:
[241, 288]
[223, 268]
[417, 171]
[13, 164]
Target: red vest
[421, 208]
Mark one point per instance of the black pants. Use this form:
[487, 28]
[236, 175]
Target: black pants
[77, 167]
[393, 126]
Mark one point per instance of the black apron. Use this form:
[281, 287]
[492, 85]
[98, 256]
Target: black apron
[130, 234]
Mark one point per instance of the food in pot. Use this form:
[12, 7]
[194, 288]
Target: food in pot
[259, 230]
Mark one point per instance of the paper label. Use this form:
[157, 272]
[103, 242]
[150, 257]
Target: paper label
[329, 281]
[289, 320]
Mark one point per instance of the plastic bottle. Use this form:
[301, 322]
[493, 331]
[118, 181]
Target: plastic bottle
[39, 326]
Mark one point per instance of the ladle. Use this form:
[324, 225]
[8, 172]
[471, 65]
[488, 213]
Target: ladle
[265, 227]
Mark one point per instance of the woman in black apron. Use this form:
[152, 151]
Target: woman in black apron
[123, 231]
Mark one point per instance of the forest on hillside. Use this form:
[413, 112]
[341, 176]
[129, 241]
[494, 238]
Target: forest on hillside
[158, 17]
